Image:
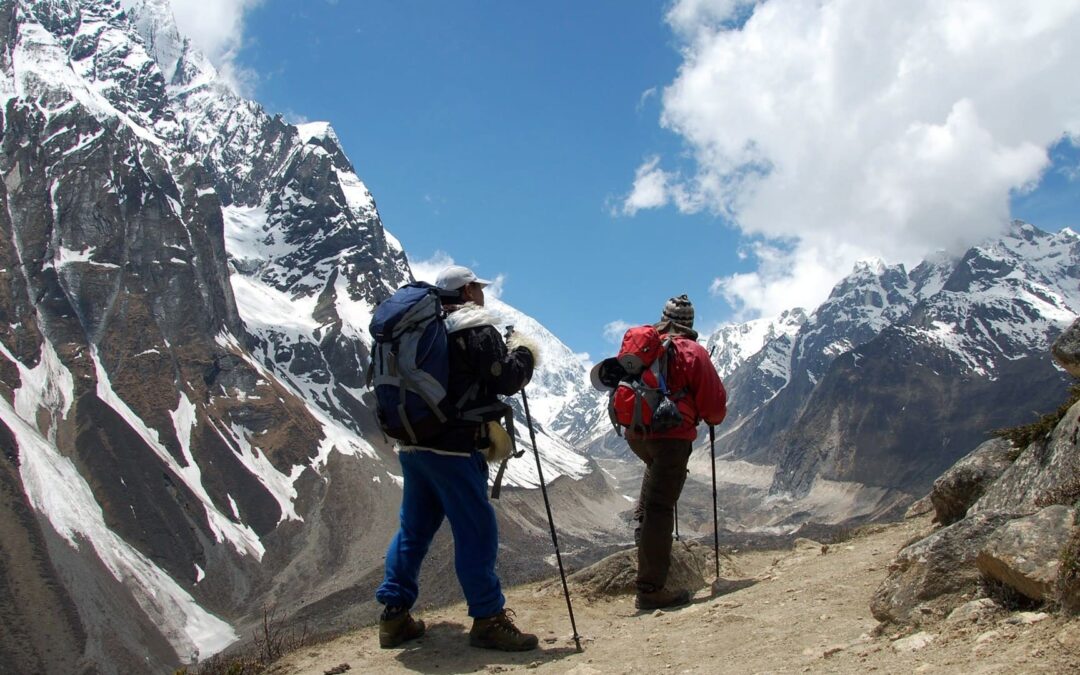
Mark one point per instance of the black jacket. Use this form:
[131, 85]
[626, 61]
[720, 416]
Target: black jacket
[482, 367]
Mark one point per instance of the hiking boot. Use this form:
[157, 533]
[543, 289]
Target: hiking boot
[396, 626]
[661, 599]
[499, 632]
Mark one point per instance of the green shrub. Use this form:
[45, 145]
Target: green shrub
[1026, 434]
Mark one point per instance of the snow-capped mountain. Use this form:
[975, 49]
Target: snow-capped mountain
[900, 373]
[187, 283]
[731, 345]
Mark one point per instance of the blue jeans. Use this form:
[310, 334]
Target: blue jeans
[454, 487]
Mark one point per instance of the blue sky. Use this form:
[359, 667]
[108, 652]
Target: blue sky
[602, 156]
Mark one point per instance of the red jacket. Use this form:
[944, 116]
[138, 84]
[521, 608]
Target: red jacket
[703, 397]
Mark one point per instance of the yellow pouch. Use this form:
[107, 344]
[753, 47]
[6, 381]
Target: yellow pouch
[500, 446]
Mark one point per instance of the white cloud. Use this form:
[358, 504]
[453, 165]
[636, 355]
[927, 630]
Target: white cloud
[855, 128]
[613, 331]
[216, 28]
[428, 270]
[652, 187]
[645, 96]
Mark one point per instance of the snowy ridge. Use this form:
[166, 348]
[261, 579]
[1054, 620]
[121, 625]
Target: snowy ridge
[1020, 278]
[1005, 299]
[732, 344]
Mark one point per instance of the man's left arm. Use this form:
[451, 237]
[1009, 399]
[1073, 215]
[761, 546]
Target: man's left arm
[510, 367]
[710, 397]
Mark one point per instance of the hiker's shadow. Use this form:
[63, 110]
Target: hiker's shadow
[445, 649]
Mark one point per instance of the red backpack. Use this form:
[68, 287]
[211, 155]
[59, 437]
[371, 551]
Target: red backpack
[641, 401]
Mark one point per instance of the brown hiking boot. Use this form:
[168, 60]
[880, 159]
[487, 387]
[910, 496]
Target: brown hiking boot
[661, 599]
[396, 626]
[499, 632]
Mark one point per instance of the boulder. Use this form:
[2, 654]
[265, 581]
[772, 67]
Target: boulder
[1047, 472]
[962, 485]
[934, 569]
[692, 568]
[1025, 554]
[1066, 349]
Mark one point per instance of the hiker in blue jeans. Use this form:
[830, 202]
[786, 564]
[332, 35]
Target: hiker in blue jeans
[446, 477]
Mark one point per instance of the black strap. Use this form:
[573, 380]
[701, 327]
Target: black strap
[496, 486]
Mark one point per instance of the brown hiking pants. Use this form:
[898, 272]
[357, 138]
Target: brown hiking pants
[665, 473]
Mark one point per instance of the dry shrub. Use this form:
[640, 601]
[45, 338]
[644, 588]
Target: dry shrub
[272, 641]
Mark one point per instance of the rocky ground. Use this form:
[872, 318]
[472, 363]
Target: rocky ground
[809, 612]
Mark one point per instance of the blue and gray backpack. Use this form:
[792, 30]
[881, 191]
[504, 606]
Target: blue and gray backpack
[410, 364]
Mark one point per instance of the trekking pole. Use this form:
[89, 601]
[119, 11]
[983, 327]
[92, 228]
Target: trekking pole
[712, 464]
[676, 521]
[715, 518]
[547, 506]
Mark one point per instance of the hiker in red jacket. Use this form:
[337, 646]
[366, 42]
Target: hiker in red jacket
[701, 397]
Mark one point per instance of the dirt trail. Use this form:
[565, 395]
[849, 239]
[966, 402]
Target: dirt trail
[810, 613]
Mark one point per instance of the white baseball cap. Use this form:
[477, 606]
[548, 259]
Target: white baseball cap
[455, 277]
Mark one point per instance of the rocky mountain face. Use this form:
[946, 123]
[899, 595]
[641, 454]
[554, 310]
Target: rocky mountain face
[880, 389]
[185, 289]
[967, 358]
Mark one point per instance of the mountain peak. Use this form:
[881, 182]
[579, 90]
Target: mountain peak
[317, 131]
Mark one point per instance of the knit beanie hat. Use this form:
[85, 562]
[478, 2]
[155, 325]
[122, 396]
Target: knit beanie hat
[679, 310]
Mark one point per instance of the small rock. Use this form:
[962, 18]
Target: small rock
[1027, 618]
[658, 612]
[913, 643]
[583, 669]
[835, 649]
[533, 664]
[724, 586]
[973, 611]
[338, 669]
[920, 508]
[988, 636]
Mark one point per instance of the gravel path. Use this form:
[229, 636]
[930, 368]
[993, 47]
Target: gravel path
[809, 613]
